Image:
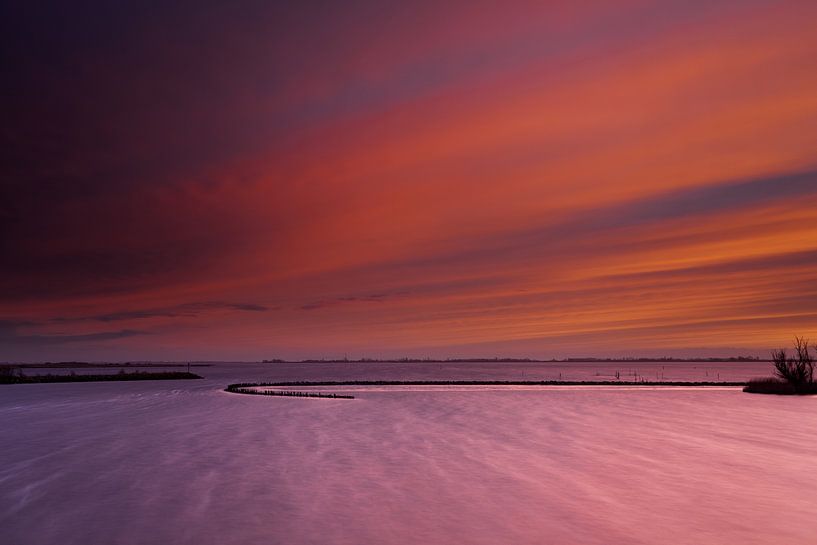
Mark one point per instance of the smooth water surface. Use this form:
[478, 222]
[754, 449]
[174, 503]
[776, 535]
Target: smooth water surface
[183, 462]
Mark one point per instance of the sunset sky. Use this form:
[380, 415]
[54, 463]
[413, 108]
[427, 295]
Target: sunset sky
[248, 180]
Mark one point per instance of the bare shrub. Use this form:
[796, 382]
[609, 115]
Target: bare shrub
[797, 370]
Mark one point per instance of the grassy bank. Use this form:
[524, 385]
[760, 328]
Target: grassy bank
[121, 376]
[779, 387]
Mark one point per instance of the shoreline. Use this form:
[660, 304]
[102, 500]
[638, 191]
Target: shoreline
[486, 383]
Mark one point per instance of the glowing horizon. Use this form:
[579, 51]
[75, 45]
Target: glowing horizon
[252, 182]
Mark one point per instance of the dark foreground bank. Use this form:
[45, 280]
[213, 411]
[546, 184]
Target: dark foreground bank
[779, 387]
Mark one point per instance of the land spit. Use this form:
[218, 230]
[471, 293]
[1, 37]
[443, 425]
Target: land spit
[138, 375]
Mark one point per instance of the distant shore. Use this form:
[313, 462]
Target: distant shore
[40, 379]
[194, 363]
[736, 359]
[101, 365]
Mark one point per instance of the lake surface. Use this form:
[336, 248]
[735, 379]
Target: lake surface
[184, 462]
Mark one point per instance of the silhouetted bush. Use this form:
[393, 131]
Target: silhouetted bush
[797, 370]
[794, 374]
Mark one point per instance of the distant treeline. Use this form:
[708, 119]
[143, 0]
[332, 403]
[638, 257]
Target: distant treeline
[407, 360]
[526, 360]
[11, 378]
[247, 388]
[659, 360]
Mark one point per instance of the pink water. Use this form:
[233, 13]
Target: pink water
[172, 462]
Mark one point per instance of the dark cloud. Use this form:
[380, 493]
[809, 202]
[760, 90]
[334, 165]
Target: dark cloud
[10, 329]
[368, 298]
[9, 336]
[711, 199]
[248, 307]
[40, 269]
[10, 325]
[189, 310]
[777, 264]
[578, 233]
[135, 315]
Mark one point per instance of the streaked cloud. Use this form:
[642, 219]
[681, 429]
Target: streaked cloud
[538, 179]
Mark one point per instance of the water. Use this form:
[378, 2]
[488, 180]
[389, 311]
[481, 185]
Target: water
[593, 371]
[183, 462]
